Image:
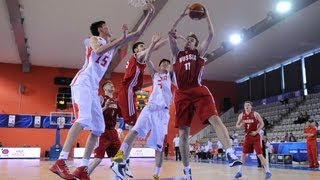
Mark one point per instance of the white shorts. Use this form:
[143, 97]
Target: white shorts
[87, 107]
[155, 120]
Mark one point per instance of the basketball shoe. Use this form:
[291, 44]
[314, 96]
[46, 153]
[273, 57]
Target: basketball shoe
[81, 173]
[119, 170]
[60, 168]
[155, 177]
[187, 174]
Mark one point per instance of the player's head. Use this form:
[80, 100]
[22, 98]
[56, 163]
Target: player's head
[164, 65]
[192, 41]
[308, 123]
[108, 87]
[137, 47]
[248, 106]
[100, 28]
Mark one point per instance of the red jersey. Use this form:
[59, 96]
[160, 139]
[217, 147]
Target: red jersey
[188, 69]
[312, 130]
[250, 122]
[133, 75]
[110, 114]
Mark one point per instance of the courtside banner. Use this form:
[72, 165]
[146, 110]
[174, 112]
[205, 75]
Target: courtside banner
[19, 153]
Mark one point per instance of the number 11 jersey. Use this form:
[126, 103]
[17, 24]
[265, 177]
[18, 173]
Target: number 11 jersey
[188, 69]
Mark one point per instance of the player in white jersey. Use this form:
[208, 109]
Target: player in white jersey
[154, 116]
[84, 88]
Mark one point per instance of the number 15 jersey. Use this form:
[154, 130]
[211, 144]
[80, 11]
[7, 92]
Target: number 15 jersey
[95, 65]
[188, 69]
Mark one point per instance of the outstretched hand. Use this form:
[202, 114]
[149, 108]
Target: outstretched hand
[156, 38]
[124, 30]
[150, 6]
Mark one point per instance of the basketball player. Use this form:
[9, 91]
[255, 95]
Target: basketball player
[154, 117]
[253, 123]
[84, 88]
[108, 141]
[132, 81]
[191, 96]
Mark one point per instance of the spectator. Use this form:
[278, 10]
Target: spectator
[302, 118]
[176, 147]
[292, 138]
[277, 140]
[286, 137]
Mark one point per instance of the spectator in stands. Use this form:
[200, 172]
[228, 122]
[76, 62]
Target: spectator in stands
[285, 101]
[277, 140]
[292, 138]
[302, 118]
[286, 137]
[312, 147]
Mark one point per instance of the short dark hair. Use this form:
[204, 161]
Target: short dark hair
[135, 45]
[248, 102]
[164, 60]
[195, 37]
[107, 82]
[94, 27]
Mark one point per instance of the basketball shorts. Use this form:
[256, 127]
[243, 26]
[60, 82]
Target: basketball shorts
[154, 119]
[126, 100]
[252, 143]
[109, 142]
[87, 107]
[197, 100]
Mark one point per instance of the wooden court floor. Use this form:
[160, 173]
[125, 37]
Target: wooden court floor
[143, 169]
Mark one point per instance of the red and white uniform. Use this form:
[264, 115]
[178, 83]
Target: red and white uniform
[84, 89]
[312, 146]
[251, 142]
[191, 97]
[155, 115]
[109, 141]
[132, 81]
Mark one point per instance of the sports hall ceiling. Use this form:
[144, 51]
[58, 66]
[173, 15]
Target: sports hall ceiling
[55, 31]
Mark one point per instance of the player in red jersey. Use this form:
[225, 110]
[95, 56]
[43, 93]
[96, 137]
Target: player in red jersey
[109, 141]
[84, 88]
[191, 96]
[252, 123]
[310, 132]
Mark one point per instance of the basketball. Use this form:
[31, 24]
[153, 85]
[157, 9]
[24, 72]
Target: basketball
[197, 11]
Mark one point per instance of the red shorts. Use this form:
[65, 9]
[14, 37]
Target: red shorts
[252, 143]
[197, 100]
[127, 102]
[108, 142]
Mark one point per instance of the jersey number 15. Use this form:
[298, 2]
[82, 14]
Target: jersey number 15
[102, 60]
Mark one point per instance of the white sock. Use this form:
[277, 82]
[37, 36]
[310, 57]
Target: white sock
[230, 150]
[63, 155]
[266, 168]
[84, 162]
[240, 168]
[124, 147]
[157, 171]
[186, 169]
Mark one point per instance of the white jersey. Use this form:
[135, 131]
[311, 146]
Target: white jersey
[95, 66]
[161, 93]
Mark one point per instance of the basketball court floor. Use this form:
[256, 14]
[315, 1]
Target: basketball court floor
[31, 169]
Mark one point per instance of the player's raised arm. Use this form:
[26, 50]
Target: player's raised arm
[155, 39]
[205, 44]
[107, 47]
[136, 34]
[173, 33]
